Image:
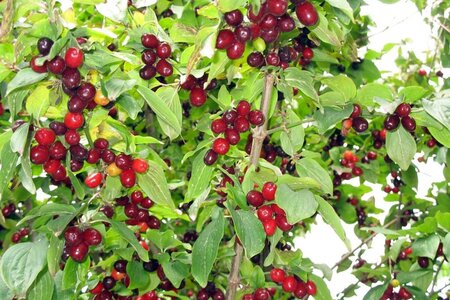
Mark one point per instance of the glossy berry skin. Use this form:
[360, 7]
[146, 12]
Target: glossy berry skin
[308, 53]
[139, 165]
[225, 39]
[221, 146]
[282, 223]
[268, 191]
[149, 40]
[197, 97]
[409, 123]
[261, 294]
[97, 289]
[218, 126]
[431, 143]
[423, 262]
[36, 68]
[73, 120]
[360, 124]
[307, 14]
[255, 198]
[39, 154]
[255, 59]
[356, 111]
[277, 275]
[86, 91]
[93, 156]
[273, 59]
[92, 237]
[230, 116]
[265, 213]
[58, 127]
[241, 124]
[71, 78]
[256, 117]
[232, 136]
[58, 151]
[51, 166]
[403, 110]
[108, 283]
[148, 57]
[236, 50]
[164, 68]
[45, 136]
[391, 122]
[243, 108]
[234, 17]
[128, 178]
[277, 7]
[76, 105]
[289, 284]
[286, 24]
[101, 144]
[78, 252]
[311, 288]
[123, 161]
[73, 236]
[147, 72]
[404, 294]
[74, 57]
[57, 65]
[163, 50]
[268, 22]
[210, 157]
[93, 180]
[44, 45]
[270, 227]
[301, 291]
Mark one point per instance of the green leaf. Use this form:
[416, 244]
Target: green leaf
[79, 189]
[257, 279]
[249, 230]
[442, 136]
[292, 139]
[116, 87]
[42, 288]
[129, 236]
[23, 78]
[330, 116]
[19, 138]
[308, 167]
[136, 271]
[298, 205]
[413, 93]
[439, 109]
[21, 264]
[200, 178]
[163, 240]
[301, 80]
[38, 102]
[112, 188]
[218, 64]
[129, 105]
[204, 251]
[401, 147]
[341, 84]
[169, 95]
[375, 293]
[446, 245]
[164, 113]
[444, 220]
[297, 183]
[405, 277]
[323, 293]
[5, 291]
[330, 216]
[342, 5]
[426, 247]
[409, 177]
[326, 35]
[54, 253]
[176, 272]
[73, 272]
[223, 98]
[229, 5]
[154, 185]
[369, 92]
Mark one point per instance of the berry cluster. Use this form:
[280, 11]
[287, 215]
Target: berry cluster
[155, 49]
[269, 151]
[401, 113]
[390, 294]
[8, 210]
[260, 294]
[355, 121]
[210, 292]
[349, 160]
[232, 124]
[293, 284]
[78, 241]
[396, 181]
[136, 209]
[302, 44]
[17, 236]
[379, 138]
[360, 212]
[197, 95]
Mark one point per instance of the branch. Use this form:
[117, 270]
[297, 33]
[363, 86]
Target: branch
[362, 244]
[258, 137]
[8, 14]
[433, 285]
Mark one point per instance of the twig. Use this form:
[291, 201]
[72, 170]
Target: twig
[433, 285]
[8, 15]
[288, 126]
[362, 244]
[399, 212]
[258, 137]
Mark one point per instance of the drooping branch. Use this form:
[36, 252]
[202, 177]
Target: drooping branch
[259, 135]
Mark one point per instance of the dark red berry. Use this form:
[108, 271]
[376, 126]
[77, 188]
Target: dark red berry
[38, 68]
[289, 284]
[163, 50]
[108, 283]
[57, 65]
[232, 136]
[255, 198]
[403, 110]
[92, 237]
[234, 17]
[241, 124]
[270, 227]
[307, 14]
[311, 288]
[265, 213]
[391, 122]
[58, 127]
[164, 68]
[149, 40]
[128, 178]
[218, 126]
[225, 39]
[221, 146]
[44, 45]
[255, 59]
[197, 96]
[286, 23]
[256, 117]
[101, 144]
[71, 78]
[148, 57]
[261, 294]
[360, 124]
[210, 157]
[147, 72]
[86, 91]
[409, 123]
[268, 191]
[78, 252]
[45, 136]
[39, 154]
[73, 236]
[236, 50]
[74, 57]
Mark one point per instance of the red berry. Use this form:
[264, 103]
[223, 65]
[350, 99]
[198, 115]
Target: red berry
[123, 161]
[234, 17]
[51, 166]
[97, 289]
[282, 223]
[289, 284]
[431, 143]
[210, 157]
[101, 144]
[148, 57]
[73, 236]
[308, 53]
[243, 108]
[93, 180]
[164, 50]
[360, 124]
[73, 120]
[261, 294]
[371, 155]
[277, 7]
[78, 252]
[92, 237]
[268, 191]
[236, 50]
[164, 68]
[347, 123]
[404, 294]
[225, 39]
[230, 116]
[277, 275]
[197, 97]
[218, 126]
[232, 136]
[57, 65]
[149, 40]
[36, 68]
[139, 165]
[221, 146]
[357, 171]
[270, 226]
[311, 288]
[241, 124]
[147, 72]
[265, 213]
[256, 117]
[74, 57]
[72, 137]
[268, 22]
[39, 154]
[301, 291]
[391, 122]
[45, 136]
[409, 123]
[255, 198]
[356, 111]
[422, 72]
[307, 14]
[128, 178]
[273, 59]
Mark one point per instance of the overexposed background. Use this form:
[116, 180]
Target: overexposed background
[394, 23]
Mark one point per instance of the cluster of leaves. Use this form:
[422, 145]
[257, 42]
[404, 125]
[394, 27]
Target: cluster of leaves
[152, 120]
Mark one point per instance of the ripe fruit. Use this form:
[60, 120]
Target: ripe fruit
[356, 111]
[92, 237]
[39, 154]
[256, 117]
[422, 72]
[74, 57]
[268, 191]
[51, 166]
[404, 294]
[164, 68]
[260, 294]
[78, 252]
[108, 282]
[289, 284]
[44, 45]
[45, 136]
[282, 222]
[230, 116]
[243, 108]
[409, 123]
[73, 236]
[236, 50]
[391, 122]
[72, 137]
[86, 91]
[311, 288]
[97, 289]
[255, 59]
[277, 7]
[100, 99]
[307, 14]
[232, 136]
[218, 126]
[243, 34]
[273, 59]
[71, 78]
[234, 17]
[308, 54]
[163, 50]
[128, 178]
[277, 275]
[93, 180]
[241, 124]
[221, 146]
[57, 65]
[423, 262]
[431, 143]
[255, 198]
[147, 72]
[270, 226]
[149, 40]
[36, 68]
[73, 120]
[360, 124]
[148, 57]
[403, 110]
[286, 23]
[210, 157]
[265, 213]
[225, 39]
[197, 96]
[139, 165]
